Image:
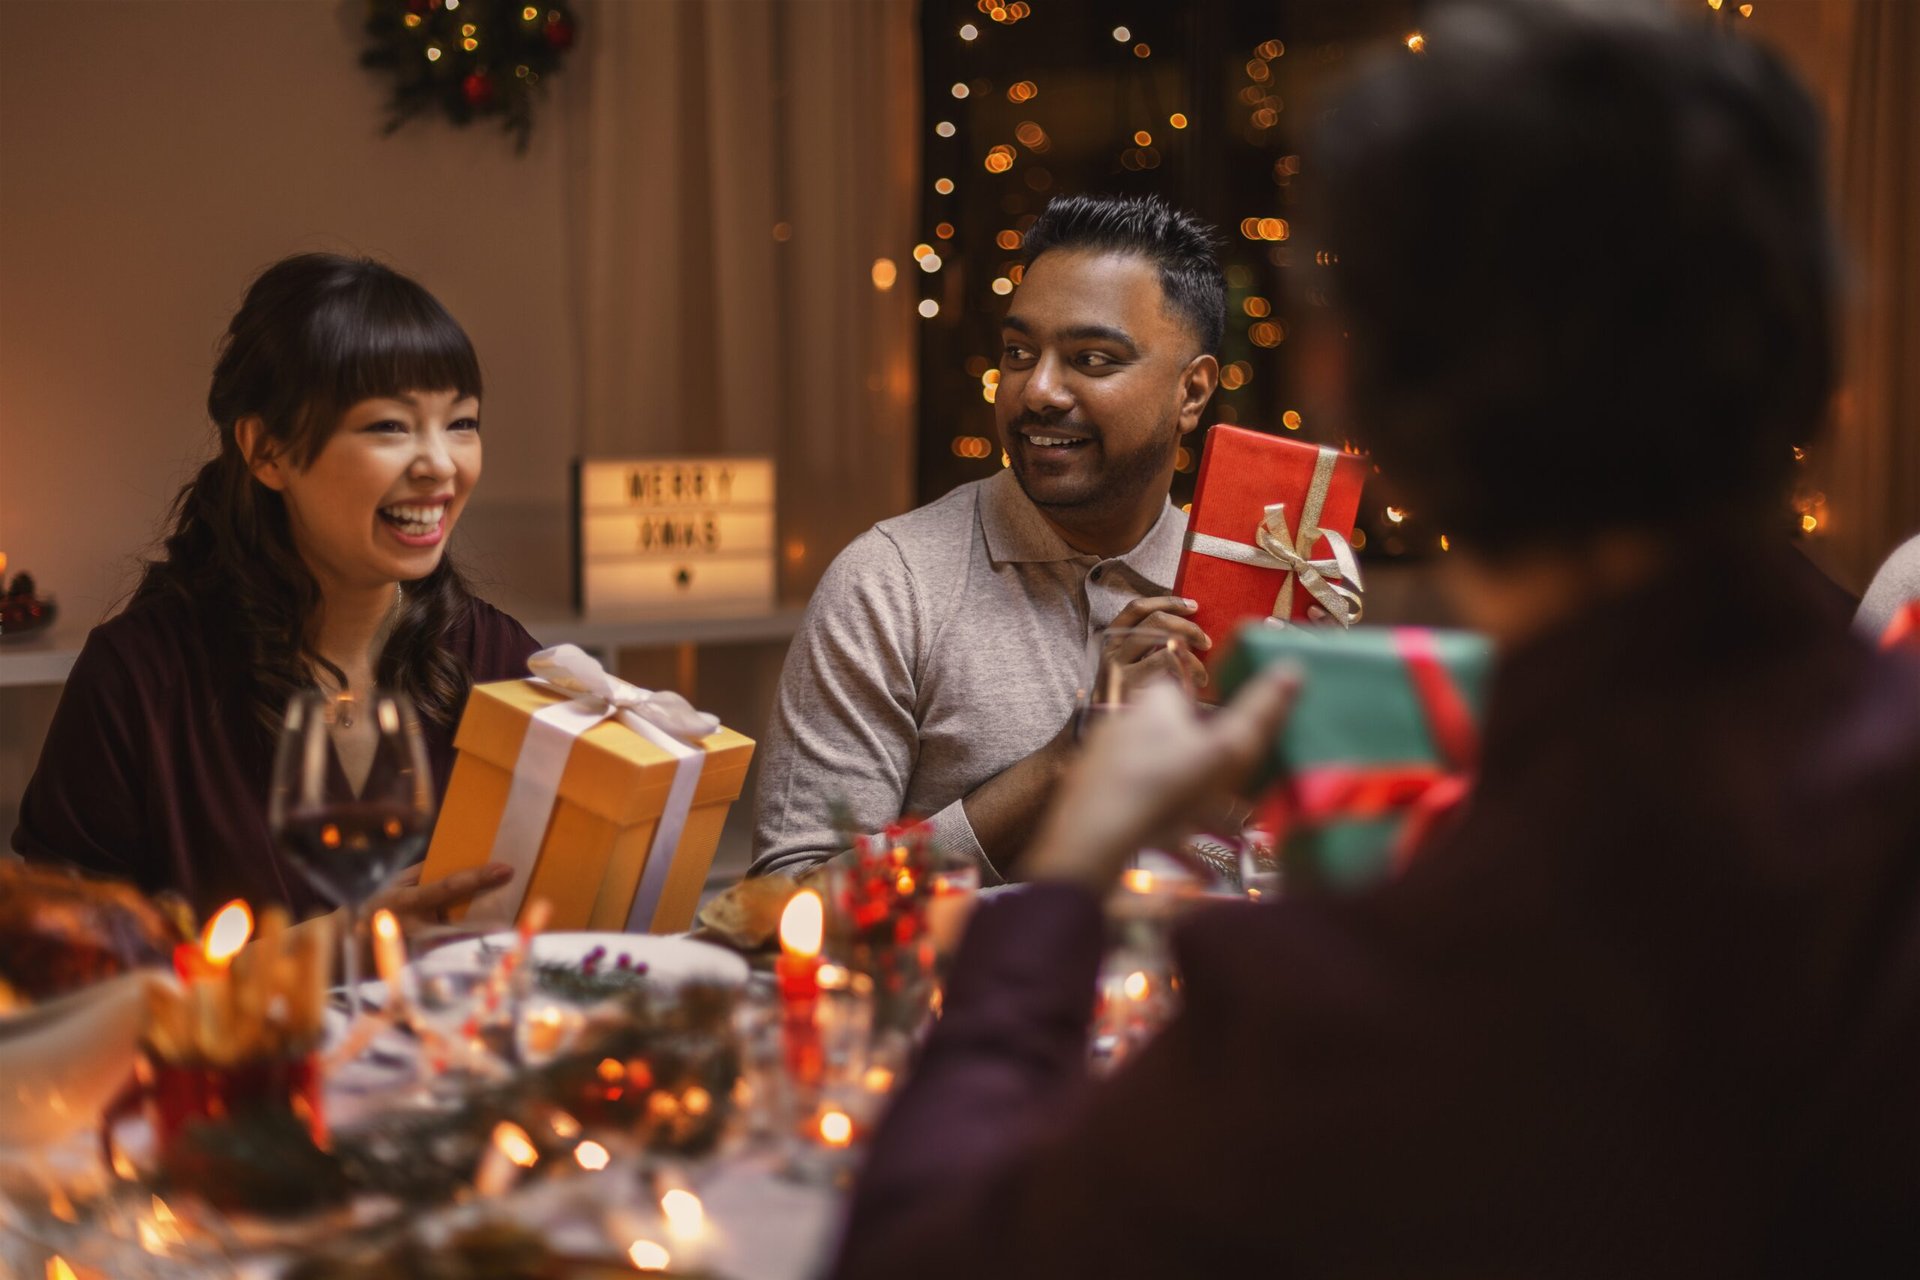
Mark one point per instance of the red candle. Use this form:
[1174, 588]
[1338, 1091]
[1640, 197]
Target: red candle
[802, 926]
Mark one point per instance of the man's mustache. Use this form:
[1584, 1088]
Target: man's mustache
[1027, 419]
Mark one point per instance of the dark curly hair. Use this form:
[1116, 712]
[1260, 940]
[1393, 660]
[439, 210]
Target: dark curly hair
[1586, 272]
[1179, 244]
[316, 334]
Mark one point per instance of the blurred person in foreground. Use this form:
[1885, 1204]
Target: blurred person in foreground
[1651, 1005]
[937, 667]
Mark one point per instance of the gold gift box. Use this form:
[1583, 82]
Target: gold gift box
[601, 831]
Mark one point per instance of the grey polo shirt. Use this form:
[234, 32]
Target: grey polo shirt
[941, 647]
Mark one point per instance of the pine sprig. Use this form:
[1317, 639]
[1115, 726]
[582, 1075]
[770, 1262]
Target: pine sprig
[478, 59]
[670, 1085]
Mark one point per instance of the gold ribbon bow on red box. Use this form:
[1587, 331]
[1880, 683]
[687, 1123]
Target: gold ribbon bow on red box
[1333, 581]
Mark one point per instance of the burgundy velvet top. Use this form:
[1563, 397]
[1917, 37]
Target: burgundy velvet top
[155, 769]
[1651, 1009]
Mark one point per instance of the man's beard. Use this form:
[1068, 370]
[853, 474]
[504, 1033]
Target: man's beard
[1117, 485]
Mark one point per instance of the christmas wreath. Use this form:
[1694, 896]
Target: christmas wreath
[469, 58]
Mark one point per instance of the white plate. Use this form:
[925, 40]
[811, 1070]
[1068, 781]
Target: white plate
[668, 960]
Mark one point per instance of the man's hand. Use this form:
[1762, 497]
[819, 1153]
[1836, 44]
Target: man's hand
[406, 896]
[1166, 614]
[1143, 771]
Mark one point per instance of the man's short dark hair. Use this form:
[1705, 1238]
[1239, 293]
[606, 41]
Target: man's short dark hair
[1585, 269]
[1179, 244]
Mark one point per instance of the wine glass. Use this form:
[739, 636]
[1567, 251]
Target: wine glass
[1122, 661]
[350, 838]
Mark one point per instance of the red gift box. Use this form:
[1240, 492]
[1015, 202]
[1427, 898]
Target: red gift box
[1247, 554]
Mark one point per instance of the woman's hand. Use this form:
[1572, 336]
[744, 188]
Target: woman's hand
[1144, 770]
[407, 897]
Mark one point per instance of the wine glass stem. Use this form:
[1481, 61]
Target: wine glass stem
[350, 958]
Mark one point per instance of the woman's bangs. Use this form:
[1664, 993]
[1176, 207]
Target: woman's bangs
[399, 340]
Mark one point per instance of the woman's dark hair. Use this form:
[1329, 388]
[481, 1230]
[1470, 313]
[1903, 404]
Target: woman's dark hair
[316, 334]
[1179, 244]
[1585, 269]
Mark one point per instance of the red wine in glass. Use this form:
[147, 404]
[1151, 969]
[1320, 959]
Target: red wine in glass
[350, 849]
[350, 836]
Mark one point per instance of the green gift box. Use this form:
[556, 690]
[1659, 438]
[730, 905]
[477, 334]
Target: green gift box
[1381, 740]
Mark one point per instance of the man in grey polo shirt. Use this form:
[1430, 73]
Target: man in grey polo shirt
[936, 670]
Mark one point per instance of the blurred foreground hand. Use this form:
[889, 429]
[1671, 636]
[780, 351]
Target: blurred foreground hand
[1145, 772]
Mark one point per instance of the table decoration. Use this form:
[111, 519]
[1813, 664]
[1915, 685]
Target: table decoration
[237, 1035]
[802, 930]
[606, 799]
[832, 1110]
[1138, 988]
[660, 1073]
[880, 894]
[23, 612]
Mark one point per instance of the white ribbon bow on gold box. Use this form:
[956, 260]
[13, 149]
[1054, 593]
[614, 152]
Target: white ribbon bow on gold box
[594, 695]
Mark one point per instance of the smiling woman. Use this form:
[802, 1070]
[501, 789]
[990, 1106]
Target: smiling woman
[310, 552]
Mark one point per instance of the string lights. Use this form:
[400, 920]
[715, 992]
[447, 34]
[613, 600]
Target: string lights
[1012, 132]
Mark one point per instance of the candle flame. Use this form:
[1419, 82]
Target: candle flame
[1137, 985]
[515, 1145]
[802, 924]
[1138, 880]
[648, 1256]
[227, 932]
[592, 1156]
[385, 926]
[57, 1269]
[686, 1216]
[836, 1128]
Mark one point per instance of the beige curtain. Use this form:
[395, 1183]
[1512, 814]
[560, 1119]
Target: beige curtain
[736, 169]
[1859, 56]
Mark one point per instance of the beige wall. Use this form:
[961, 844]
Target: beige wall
[154, 156]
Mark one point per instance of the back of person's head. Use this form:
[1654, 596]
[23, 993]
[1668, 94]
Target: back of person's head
[1179, 244]
[315, 334]
[1585, 271]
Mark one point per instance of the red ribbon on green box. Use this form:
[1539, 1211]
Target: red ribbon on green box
[1379, 754]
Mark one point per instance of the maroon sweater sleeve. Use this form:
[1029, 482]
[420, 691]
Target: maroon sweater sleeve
[85, 802]
[997, 1159]
[500, 645]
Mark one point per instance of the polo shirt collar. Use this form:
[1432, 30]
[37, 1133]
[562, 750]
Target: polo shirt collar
[1016, 533]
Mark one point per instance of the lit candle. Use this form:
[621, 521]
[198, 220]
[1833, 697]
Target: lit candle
[226, 934]
[510, 1153]
[219, 943]
[389, 953]
[802, 927]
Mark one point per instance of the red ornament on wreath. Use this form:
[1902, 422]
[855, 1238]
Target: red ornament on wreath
[468, 61]
[478, 89]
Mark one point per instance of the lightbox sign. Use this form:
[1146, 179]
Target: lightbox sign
[674, 532]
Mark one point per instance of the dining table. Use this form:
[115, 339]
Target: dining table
[760, 1214]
